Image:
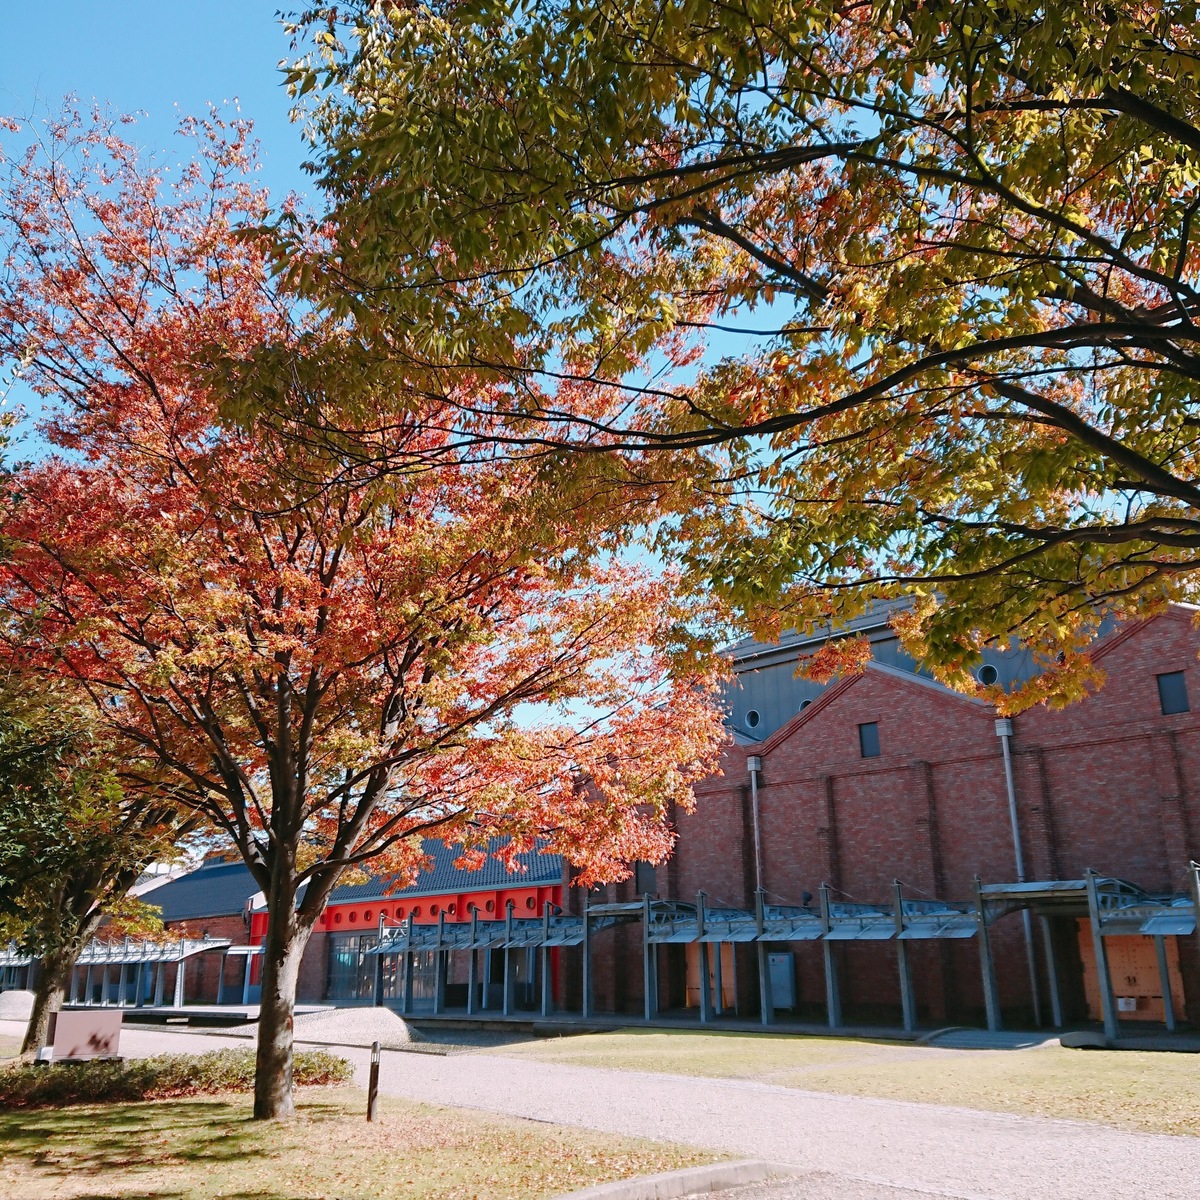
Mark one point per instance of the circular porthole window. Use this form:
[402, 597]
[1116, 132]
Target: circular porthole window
[452, 909]
[416, 910]
[399, 911]
[530, 902]
[987, 674]
[353, 917]
[367, 915]
[337, 918]
[753, 718]
[491, 904]
[433, 910]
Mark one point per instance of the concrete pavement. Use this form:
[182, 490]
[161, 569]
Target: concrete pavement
[866, 1147]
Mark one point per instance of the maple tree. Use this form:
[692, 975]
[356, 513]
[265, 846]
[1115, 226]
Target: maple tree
[955, 243]
[72, 844]
[325, 660]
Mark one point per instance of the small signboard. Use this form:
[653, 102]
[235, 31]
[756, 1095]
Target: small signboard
[85, 1033]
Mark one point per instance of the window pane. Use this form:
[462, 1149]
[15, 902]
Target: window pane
[1172, 693]
[868, 739]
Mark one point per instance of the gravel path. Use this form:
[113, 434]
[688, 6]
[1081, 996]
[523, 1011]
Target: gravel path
[877, 1149]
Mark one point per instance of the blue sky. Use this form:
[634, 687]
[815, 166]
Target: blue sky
[162, 57]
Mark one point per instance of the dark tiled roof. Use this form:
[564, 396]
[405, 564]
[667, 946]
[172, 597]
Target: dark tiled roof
[222, 888]
[216, 889]
[540, 869]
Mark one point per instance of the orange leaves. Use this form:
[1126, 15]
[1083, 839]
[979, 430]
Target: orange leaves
[845, 656]
[332, 641]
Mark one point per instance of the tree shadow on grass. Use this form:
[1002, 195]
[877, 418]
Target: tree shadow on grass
[90, 1141]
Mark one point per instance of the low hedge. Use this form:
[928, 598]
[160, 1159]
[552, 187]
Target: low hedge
[158, 1078]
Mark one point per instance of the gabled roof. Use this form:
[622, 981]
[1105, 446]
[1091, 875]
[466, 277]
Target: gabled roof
[443, 877]
[908, 678]
[214, 889]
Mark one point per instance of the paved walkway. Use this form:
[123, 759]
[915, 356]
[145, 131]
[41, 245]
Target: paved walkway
[875, 1146]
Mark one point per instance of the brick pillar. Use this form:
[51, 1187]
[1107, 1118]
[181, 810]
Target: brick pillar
[827, 833]
[1043, 853]
[1172, 809]
[936, 984]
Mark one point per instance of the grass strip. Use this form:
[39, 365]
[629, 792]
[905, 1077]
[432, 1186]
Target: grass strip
[207, 1147]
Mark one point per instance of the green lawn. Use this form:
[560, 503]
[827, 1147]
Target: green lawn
[1130, 1089]
[202, 1148]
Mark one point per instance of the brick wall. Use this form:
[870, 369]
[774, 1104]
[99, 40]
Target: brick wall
[1107, 783]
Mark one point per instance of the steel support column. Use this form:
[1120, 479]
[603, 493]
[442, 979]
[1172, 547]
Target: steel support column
[547, 975]
[221, 979]
[649, 964]
[473, 964]
[908, 1004]
[180, 977]
[506, 1007]
[87, 985]
[765, 999]
[1056, 1014]
[407, 1005]
[718, 980]
[249, 961]
[702, 962]
[833, 992]
[122, 985]
[987, 965]
[439, 967]
[586, 1001]
[159, 981]
[1108, 1003]
[1164, 974]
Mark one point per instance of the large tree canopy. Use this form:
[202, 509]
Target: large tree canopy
[959, 241]
[326, 662]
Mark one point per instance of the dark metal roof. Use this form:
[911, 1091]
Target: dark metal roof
[443, 877]
[215, 889]
[220, 889]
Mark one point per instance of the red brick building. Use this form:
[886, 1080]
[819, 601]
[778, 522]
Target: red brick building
[890, 776]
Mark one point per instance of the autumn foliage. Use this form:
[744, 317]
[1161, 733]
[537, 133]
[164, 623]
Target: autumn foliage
[325, 659]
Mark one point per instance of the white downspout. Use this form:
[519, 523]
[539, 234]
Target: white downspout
[1004, 731]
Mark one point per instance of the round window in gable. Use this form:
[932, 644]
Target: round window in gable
[753, 718]
[367, 915]
[353, 917]
[987, 674]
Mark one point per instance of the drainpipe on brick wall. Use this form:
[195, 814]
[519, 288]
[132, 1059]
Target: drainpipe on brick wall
[1004, 731]
[754, 765]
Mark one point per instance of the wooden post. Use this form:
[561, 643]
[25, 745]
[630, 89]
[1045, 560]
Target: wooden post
[373, 1083]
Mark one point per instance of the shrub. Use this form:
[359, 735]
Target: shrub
[158, 1078]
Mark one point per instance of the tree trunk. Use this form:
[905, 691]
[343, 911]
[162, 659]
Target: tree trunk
[282, 951]
[53, 976]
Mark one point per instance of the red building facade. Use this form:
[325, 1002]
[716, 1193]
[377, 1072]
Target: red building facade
[888, 776]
